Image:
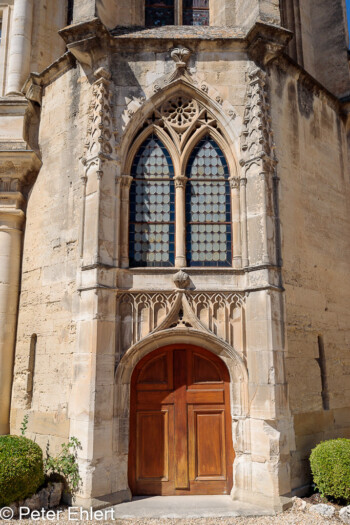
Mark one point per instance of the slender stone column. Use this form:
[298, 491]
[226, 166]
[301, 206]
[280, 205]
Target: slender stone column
[20, 46]
[243, 199]
[236, 222]
[264, 183]
[11, 230]
[124, 213]
[180, 221]
[117, 219]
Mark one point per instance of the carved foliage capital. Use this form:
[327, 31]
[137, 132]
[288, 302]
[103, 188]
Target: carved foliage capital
[235, 183]
[180, 182]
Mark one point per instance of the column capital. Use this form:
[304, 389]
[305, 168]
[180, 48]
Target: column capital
[126, 181]
[180, 181]
[235, 183]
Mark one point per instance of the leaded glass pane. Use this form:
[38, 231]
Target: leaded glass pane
[159, 13]
[208, 213]
[196, 12]
[152, 209]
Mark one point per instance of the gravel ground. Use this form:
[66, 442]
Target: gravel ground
[293, 516]
[290, 517]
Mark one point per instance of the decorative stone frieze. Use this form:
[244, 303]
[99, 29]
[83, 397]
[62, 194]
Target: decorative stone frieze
[142, 313]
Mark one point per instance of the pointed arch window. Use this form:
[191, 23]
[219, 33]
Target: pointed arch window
[152, 207]
[176, 12]
[208, 207]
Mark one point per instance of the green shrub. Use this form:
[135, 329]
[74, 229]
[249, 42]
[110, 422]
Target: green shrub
[330, 467]
[21, 468]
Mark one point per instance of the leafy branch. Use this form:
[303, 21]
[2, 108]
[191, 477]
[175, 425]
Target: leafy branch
[65, 464]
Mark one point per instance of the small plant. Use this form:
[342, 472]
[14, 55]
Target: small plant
[24, 425]
[65, 465]
[21, 468]
[330, 466]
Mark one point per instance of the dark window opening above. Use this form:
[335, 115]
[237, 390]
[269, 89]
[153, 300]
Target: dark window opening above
[195, 12]
[160, 13]
[174, 12]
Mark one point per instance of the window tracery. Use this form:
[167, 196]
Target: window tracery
[194, 183]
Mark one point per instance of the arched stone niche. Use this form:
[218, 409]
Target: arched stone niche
[181, 335]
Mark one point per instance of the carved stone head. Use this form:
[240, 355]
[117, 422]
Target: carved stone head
[181, 279]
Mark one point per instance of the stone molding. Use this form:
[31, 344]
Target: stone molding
[100, 140]
[257, 137]
[151, 312]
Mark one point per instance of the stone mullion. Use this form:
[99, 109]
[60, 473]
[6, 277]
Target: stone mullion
[126, 181]
[180, 221]
[236, 222]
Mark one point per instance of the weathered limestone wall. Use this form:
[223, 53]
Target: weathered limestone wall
[320, 41]
[48, 301]
[314, 209]
[47, 45]
[248, 12]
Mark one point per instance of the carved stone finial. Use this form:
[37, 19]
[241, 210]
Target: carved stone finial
[181, 279]
[181, 56]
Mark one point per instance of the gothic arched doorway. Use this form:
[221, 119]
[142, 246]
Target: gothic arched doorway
[180, 424]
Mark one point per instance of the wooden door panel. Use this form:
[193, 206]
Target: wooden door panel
[147, 399]
[181, 421]
[152, 445]
[180, 437]
[209, 441]
[157, 373]
[204, 370]
[204, 397]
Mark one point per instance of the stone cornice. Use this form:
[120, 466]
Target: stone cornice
[16, 166]
[86, 41]
[34, 83]
[266, 42]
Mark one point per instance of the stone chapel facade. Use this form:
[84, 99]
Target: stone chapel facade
[174, 240]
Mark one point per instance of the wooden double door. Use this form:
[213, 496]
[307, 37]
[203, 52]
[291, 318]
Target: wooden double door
[180, 428]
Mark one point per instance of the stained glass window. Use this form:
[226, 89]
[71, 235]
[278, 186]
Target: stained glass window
[160, 13]
[196, 12]
[152, 209]
[208, 213]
